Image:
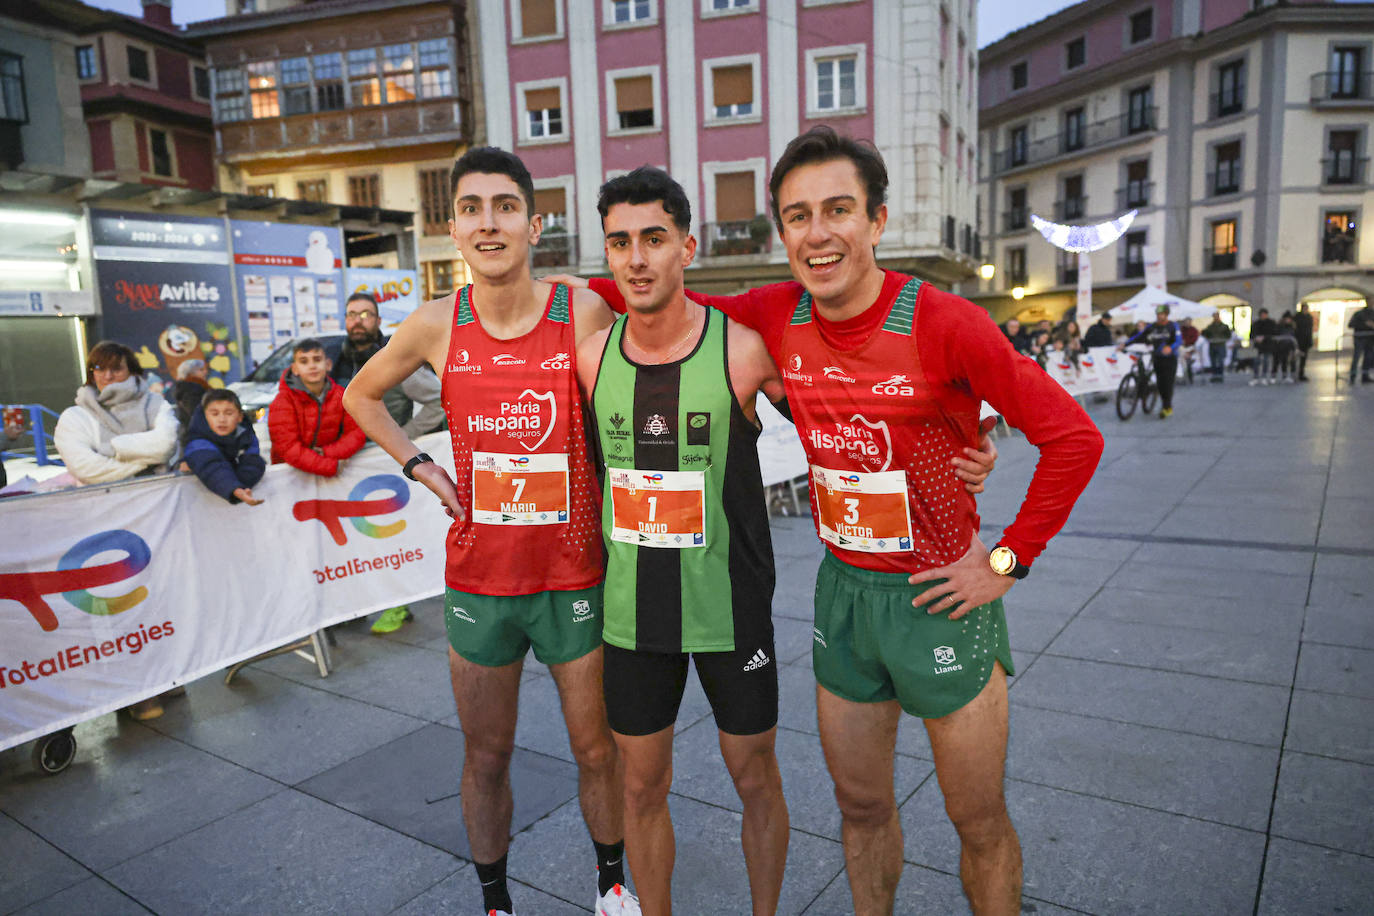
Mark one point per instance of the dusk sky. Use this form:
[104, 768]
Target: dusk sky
[995, 17]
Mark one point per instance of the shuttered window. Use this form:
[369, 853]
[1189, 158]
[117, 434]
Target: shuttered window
[538, 17]
[734, 197]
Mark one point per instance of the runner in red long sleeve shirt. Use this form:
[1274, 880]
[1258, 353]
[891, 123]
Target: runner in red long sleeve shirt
[884, 376]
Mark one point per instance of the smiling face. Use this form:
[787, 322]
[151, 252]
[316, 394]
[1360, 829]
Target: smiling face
[647, 255]
[491, 225]
[827, 232]
[222, 417]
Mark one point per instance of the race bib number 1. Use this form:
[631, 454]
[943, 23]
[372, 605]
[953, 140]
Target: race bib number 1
[658, 508]
[861, 511]
[519, 489]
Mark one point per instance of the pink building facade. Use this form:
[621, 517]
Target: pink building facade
[712, 91]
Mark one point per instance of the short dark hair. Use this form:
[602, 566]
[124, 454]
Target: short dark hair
[363, 296]
[306, 345]
[823, 144]
[647, 185]
[220, 394]
[488, 160]
[109, 352]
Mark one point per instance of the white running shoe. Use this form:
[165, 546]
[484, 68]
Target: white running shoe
[617, 901]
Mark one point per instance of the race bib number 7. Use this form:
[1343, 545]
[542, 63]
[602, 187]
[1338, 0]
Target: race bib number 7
[519, 489]
[658, 508]
[862, 511]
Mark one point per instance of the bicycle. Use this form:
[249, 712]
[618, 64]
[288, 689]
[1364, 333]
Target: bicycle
[1138, 385]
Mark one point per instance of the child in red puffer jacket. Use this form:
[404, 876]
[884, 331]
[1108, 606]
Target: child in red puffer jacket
[309, 427]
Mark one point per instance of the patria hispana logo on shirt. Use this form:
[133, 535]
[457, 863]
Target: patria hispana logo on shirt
[529, 419]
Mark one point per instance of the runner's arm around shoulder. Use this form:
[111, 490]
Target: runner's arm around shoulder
[422, 337]
[589, 352]
[590, 313]
[751, 368]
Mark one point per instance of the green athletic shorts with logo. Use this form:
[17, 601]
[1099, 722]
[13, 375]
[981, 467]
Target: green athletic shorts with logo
[871, 645]
[495, 630]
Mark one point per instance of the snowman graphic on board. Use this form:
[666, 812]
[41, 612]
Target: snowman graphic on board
[319, 258]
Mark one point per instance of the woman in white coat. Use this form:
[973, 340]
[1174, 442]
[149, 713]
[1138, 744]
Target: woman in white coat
[116, 430]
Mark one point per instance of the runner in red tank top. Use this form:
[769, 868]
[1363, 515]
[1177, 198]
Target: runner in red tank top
[884, 376]
[525, 561]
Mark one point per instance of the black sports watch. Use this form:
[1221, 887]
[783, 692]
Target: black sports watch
[409, 468]
[1004, 562]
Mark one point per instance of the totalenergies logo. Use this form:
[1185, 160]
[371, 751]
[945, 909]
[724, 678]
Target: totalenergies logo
[653, 478]
[851, 479]
[357, 508]
[520, 462]
[73, 579]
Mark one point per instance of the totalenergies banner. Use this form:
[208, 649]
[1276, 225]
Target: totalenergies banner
[165, 291]
[116, 594]
[396, 292]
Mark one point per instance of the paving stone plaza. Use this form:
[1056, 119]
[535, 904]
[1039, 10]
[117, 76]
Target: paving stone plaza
[1192, 725]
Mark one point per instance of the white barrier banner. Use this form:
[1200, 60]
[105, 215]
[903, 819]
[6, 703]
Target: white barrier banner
[109, 595]
[1099, 369]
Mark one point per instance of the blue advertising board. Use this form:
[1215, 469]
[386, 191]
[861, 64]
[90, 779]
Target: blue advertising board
[166, 291]
[290, 282]
[396, 291]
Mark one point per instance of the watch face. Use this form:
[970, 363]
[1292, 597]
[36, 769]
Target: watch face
[1002, 560]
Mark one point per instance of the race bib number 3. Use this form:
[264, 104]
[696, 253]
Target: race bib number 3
[658, 508]
[862, 511]
[519, 489]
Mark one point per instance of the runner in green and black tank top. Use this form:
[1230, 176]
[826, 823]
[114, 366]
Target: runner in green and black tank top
[682, 575]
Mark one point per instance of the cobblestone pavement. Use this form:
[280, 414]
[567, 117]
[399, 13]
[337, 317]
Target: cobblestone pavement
[1192, 723]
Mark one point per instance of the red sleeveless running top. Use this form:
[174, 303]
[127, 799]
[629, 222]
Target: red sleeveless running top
[519, 442]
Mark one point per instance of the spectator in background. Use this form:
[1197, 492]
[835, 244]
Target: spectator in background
[363, 322]
[1286, 349]
[1019, 341]
[1072, 340]
[1189, 336]
[1100, 334]
[189, 388]
[310, 429]
[1217, 334]
[117, 429]
[9, 438]
[222, 449]
[1262, 333]
[1040, 347]
[1302, 322]
[1362, 324]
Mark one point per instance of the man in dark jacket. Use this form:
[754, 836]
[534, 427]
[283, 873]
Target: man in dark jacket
[1303, 322]
[1100, 334]
[1020, 342]
[1362, 324]
[364, 325]
[189, 388]
[1262, 334]
[1217, 334]
[1164, 340]
[222, 449]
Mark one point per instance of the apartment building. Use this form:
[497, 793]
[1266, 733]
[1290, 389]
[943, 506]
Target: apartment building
[712, 91]
[1237, 129]
[359, 103]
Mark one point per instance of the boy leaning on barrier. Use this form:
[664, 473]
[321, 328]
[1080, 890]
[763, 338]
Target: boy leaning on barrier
[222, 449]
[309, 426]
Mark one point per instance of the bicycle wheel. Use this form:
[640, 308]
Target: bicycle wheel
[1127, 394]
[1149, 393]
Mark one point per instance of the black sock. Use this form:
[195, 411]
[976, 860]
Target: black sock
[610, 865]
[495, 894]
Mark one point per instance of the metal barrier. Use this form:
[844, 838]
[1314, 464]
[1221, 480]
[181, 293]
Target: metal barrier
[41, 437]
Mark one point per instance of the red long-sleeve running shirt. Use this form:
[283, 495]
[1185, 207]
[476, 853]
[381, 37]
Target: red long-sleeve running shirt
[895, 393]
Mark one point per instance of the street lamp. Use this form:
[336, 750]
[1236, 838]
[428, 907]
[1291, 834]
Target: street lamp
[1018, 292]
[987, 271]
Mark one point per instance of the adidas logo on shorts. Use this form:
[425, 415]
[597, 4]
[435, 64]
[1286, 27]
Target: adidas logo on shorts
[757, 662]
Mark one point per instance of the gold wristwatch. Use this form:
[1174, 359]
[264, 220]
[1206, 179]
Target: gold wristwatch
[1003, 562]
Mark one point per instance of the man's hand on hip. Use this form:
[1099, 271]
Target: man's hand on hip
[441, 485]
[968, 582]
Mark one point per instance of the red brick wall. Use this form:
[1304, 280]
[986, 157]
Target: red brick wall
[102, 146]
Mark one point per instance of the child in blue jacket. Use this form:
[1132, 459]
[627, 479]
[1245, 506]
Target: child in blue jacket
[222, 449]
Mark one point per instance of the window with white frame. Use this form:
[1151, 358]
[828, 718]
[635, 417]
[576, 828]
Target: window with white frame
[329, 85]
[436, 69]
[230, 104]
[727, 6]
[262, 89]
[543, 112]
[732, 88]
[837, 80]
[14, 105]
[632, 100]
[364, 86]
[624, 12]
[295, 82]
[87, 64]
[399, 63]
[536, 19]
